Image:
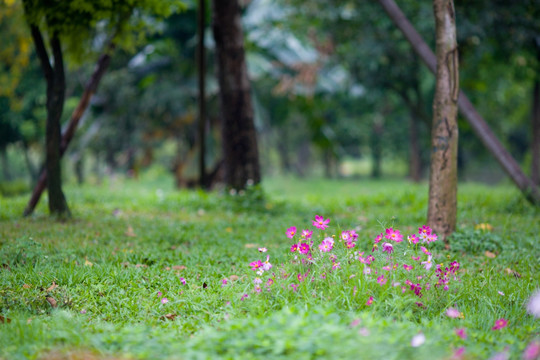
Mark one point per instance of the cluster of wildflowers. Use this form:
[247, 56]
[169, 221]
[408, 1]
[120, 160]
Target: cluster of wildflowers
[393, 259]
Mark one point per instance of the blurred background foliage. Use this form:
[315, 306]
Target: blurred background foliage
[337, 92]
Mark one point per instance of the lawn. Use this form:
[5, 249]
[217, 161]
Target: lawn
[145, 271]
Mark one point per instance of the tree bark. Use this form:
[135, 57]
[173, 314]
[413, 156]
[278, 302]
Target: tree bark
[241, 156]
[90, 89]
[478, 124]
[442, 206]
[203, 181]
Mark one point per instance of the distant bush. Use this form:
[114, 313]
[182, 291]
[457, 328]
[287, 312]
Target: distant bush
[13, 188]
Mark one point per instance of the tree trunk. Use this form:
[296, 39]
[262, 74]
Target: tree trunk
[56, 87]
[89, 91]
[442, 207]
[478, 124]
[535, 141]
[376, 148]
[203, 181]
[241, 157]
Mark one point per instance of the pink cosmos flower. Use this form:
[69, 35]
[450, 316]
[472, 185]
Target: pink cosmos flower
[291, 231]
[266, 265]
[183, 281]
[499, 324]
[353, 235]
[294, 247]
[224, 282]
[164, 301]
[533, 306]
[461, 333]
[263, 249]
[394, 235]
[255, 265]
[336, 266]
[424, 230]
[300, 277]
[407, 267]
[413, 239]
[345, 235]
[320, 222]
[369, 260]
[458, 354]
[244, 297]
[304, 248]
[369, 301]
[159, 293]
[452, 313]
[387, 268]
[350, 244]
[294, 287]
[432, 237]
[367, 270]
[424, 250]
[415, 258]
[381, 280]
[257, 281]
[532, 351]
[326, 245]
[270, 282]
[307, 234]
[427, 264]
[378, 238]
[387, 247]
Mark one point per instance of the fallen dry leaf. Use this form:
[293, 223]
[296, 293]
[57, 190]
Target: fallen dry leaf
[87, 263]
[51, 301]
[512, 272]
[125, 264]
[178, 267]
[4, 320]
[130, 232]
[484, 226]
[169, 317]
[233, 277]
[251, 246]
[26, 286]
[52, 287]
[141, 265]
[490, 255]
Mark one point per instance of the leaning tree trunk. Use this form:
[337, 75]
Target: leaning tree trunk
[442, 207]
[56, 86]
[241, 156]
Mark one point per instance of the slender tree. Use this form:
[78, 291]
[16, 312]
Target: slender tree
[241, 156]
[442, 207]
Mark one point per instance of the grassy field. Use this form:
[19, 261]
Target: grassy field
[144, 271]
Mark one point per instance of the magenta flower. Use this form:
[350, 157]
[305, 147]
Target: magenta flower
[452, 313]
[255, 265]
[257, 281]
[413, 239]
[294, 287]
[263, 249]
[369, 301]
[378, 238]
[307, 234]
[345, 235]
[294, 247]
[244, 297]
[394, 235]
[381, 280]
[270, 282]
[387, 247]
[320, 222]
[164, 301]
[304, 248]
[415, 258]
[353, 235]
[432, 237]
[499, 324]
[336, 266]
[424, 230]
[291, 231]
[424, 250]
[300, 277]
[407, 267]
[159, 293]
[461, 333]
[350, 244]
[183, 281]
[532, 351]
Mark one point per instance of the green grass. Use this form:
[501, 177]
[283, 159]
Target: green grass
[129, 240]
